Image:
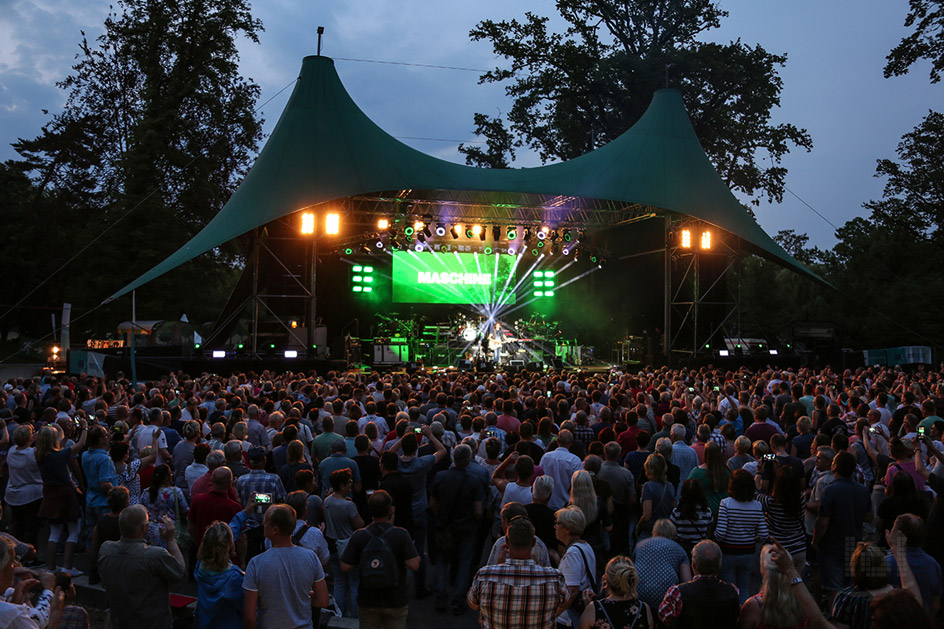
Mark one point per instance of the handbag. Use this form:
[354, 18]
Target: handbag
[181, 534]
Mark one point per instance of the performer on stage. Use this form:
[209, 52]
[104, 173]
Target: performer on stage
[497, 340]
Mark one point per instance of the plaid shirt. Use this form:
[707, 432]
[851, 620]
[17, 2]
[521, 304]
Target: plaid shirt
[584, 434]
[258, 482]
[718, 438]
[518, 594]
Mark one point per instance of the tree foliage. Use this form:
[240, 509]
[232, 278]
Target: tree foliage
[925, 41]
[576, 90]
[156, 133]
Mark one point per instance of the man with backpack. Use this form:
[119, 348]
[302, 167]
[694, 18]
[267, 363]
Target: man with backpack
[381, 553]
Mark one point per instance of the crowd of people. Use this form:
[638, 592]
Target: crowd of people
[666, 497]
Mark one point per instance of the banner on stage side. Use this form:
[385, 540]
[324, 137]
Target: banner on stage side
[452, 278]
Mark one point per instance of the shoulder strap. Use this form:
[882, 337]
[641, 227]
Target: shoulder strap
[586, 566]
[300, 533]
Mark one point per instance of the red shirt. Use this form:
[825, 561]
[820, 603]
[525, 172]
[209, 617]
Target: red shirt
[209, 507]
[508, 423]
[627, 440]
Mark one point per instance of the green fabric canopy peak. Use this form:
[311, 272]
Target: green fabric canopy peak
[325, 148]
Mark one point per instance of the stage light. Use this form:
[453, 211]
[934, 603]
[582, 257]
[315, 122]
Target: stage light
[535, 252]
[426, 231]
[418, 246]
[218, 353]
[418, 226]
[308, 224]
[332, 223]
[468, 231]
[488, 251]
[512, 251]
[440, 230]
[379, 244]
[594, 259]
[542, 233]
[565, 234]
[540, 244]
[601, 263]
[686, 239]
[724, 353]
[348, 251]
[565, 251]
[774, 352]
[365, 248]
[496, 233]
[408, 230]
[706, 239]
[511, 233]
[293, 324]
[476, 229]
[453, 232]
[395, 244]
[383, 224]
[55, 349]
[291, 353]
[576, 254]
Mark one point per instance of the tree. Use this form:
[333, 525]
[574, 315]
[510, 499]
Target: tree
[926, 41]
[576, 90]
[156, 133]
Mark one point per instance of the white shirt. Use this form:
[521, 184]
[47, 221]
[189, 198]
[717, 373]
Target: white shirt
[193, 472]
[560, 465]
[144, 436]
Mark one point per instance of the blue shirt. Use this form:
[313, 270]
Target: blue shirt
[926, 570]
[332, 464]
[98, 468]
[415, 470]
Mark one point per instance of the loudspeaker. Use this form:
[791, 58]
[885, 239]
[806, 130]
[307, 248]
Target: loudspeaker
[515, 366]
[534, 366]
[554, 363]
[464, 365]
[485, 366]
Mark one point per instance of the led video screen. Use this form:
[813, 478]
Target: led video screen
[452, 278]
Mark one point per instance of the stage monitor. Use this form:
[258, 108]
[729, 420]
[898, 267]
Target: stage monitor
[453, 278]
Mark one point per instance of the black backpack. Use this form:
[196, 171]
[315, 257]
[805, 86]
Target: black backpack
[378, 565]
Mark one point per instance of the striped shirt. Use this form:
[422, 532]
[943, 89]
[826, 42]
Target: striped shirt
[690, 532]
[740, 524]
[786, 528]
[517, 594]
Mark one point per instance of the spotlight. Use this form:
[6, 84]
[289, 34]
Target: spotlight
[440, 230]
[601, 263]
[468, 231]
[291, 353]
[686, 239]
[542, 233]
[308, 224]
[496, 233]
[365, 248]
[333, 223]
[594, 258]
[512, 251]
[565, 234]
[409, 231]
[535, 252]
[773, 352]
[476, 229]
[511, 234]
[724, 353]
[293, 323]
[383, 224]
[706, 239]
[418, 246]
[566, 251]
[218, 353]
[488, 251]
[453, 232]
[379, 244]
[348, 251]
[418, 226]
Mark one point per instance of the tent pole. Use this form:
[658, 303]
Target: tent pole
[667, 296]
[255, 296]
[134, 325]
[313, 299]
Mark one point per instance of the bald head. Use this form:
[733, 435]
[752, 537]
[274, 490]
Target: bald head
[222, 478]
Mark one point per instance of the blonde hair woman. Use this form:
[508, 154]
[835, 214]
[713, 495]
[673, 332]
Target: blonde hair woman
[60, 506]
[219, 582]
[621, 607]
[775, 605]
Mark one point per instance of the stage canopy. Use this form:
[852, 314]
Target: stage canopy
[325, 148]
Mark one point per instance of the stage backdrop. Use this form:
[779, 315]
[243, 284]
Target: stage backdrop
[452, 278]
